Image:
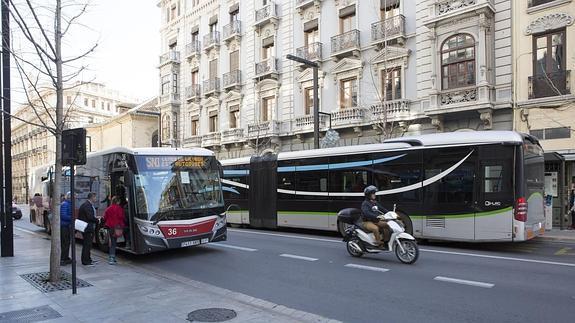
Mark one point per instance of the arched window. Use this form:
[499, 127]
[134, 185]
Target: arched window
[458, 62]
[155, 141]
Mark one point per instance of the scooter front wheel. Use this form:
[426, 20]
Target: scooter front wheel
[410, 251]
[354, 248]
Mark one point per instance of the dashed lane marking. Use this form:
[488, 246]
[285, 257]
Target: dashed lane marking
[564, 252]
[463, 282]
[379, 269]
[233, 247]
[286, 255]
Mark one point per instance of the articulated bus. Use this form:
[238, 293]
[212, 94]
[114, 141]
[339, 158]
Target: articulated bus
[464, 186]
[173, 197]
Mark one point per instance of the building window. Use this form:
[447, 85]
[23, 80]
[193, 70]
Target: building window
[213, 122]
[165, 84]
[533, 3]
[308, 101]
[234, 60]
[102, 105]
[175, 83]
[347, 20]
[195, 126]
[348, 93]
[267, 48]
[391, 81]
[389, 9]
[458, 62]
[195, 37]
[552, 133]
[68, 100]
[173, 12]
[85, 102]
[108, 106]
[195, 77]
[166, 122]
[268, 105]
[94, 104]
[311, 36]
[235, 15]
[234, 116]
[549, 52]
[213, 69]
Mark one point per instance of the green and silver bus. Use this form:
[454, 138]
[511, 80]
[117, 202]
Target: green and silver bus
[462, 186]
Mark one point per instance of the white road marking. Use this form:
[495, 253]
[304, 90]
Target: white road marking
[464, 282]
[367, 267]
[233, 247]
[26, 230]
[423, 250]
[286, 255]
[500, 257]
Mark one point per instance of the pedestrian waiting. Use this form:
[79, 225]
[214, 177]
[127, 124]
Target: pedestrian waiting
[114, 219]
[65, 222]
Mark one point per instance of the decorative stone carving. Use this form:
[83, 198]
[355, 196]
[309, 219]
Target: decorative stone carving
[437, 122]
[451, 5]
[459, 96]
[549, 22]
[486, 116]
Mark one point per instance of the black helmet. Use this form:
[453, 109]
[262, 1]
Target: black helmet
[369, 190]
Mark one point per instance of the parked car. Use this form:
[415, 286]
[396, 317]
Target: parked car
[16, 212]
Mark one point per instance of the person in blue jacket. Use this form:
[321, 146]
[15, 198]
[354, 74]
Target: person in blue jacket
[65, 223]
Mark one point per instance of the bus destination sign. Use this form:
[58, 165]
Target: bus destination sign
[176, 162]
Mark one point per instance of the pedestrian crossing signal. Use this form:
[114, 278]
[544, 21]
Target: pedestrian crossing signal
[74, 147]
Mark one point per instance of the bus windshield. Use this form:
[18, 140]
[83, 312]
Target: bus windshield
[176, 187]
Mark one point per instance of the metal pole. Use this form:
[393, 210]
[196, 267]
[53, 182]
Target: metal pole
[72, 227]
[315, 109]
[7, 224]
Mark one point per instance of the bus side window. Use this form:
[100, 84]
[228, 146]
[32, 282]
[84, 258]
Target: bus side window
[493, 180]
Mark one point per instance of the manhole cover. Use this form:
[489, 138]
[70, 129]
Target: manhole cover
[36, 314]
[212, 315]
[40, 281]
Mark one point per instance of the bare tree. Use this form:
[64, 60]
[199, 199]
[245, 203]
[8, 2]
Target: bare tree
[44, 69]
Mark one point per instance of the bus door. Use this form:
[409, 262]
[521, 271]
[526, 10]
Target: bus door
[449, 199]
[494, 206]
[263, 191]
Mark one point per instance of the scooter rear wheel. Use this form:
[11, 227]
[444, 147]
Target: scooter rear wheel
[410, 254]
[355, 251]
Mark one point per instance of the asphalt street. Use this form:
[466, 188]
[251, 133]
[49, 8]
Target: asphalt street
[451, 282]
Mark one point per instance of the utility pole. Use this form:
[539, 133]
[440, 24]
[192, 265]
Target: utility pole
[7, 243]
[315, 67]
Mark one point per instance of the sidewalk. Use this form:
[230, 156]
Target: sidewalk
[558, 235]
[124, 293]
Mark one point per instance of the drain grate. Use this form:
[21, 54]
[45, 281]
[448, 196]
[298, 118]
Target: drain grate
[36, 314]
[40, 281]
[212, 315]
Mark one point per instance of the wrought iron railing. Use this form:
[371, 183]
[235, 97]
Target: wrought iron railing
[193, 48]
[311, 52]
[211, 86]
[232, 135]
[212, 39]
[345, 41]
[172, 56]
[232, 29]
[232, 78]
[266, 66]
[266, 12]
[193, 91]
[388, 28]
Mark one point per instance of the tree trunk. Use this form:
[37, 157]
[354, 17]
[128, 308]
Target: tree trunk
[56, 251]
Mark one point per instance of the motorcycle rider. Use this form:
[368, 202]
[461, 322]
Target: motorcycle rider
[370, 210]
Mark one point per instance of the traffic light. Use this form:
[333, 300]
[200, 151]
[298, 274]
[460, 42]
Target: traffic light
[74, 147]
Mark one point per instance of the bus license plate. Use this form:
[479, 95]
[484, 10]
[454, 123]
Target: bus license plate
[194, 242]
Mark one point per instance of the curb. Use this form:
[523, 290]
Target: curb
[556, 239]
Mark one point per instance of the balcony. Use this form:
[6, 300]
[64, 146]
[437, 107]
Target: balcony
[193, 92]
[193, 141]
[171, 57]
[232, 31]
[345, 44]
[305, 123]
[211, 139]
[232, 136]
[266, 15]
[211, 86]
[267, 68]
[193, 49]
[463, 95]
[233, 80]
[389, 111]
[312, 52]
[388, 29]
[349, 117]
[301, 5]
[444, 9]
[549, 85]
[169, 98]
[212, 41]
[263, 129]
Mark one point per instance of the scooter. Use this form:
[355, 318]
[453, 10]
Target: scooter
[359, 241]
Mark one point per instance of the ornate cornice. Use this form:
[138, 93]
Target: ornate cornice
[549, 22]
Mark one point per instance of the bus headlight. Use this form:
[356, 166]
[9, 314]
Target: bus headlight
[150, 231]
[221, 222]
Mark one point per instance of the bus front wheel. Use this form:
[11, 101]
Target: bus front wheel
[102, 239]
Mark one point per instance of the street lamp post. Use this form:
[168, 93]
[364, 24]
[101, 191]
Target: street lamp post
[315, 67]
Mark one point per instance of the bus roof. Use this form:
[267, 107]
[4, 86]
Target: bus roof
[160, 151]
[430, 140]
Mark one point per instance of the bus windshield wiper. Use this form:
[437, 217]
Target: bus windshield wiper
[160, 217]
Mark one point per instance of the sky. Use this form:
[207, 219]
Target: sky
[128, 37]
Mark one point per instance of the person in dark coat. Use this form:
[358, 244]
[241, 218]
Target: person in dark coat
[65, 222]
[87, 213]
[371, 210]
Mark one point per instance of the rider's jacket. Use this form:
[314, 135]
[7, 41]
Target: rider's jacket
[368, 214]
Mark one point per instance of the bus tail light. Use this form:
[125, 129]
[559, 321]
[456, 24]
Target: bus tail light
[521, 209]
